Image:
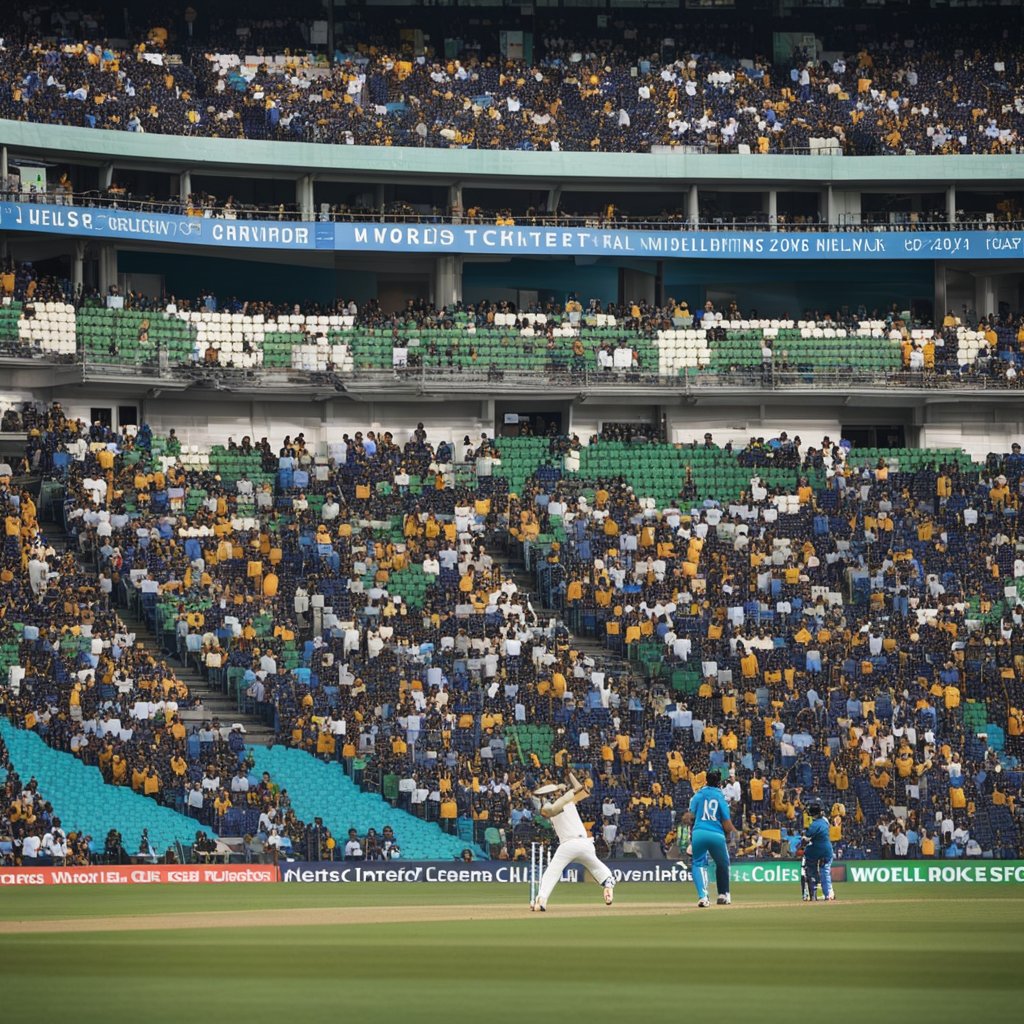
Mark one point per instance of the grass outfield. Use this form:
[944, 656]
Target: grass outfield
[880, 953]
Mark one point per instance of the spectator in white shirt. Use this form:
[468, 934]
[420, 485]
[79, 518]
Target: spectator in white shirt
[353, 847]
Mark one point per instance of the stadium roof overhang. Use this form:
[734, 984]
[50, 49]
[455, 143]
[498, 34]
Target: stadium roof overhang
[494, 169]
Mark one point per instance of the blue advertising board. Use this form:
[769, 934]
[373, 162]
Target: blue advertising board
[105, 224]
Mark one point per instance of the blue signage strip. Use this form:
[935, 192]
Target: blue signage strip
[105, 224]
[520, 240]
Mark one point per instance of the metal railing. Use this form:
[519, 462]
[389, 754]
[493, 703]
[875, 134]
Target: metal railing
[670, 221]
[746, 379]
[566, 375]
[424, 380]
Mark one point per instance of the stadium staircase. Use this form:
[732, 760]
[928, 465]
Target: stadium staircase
[215, 703]
[85, 803]
[319, 788]
[306, 779]
[513, 567]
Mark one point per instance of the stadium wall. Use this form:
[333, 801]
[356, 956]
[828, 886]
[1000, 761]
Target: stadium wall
[192, 275]
[292, 159]
[942, 421]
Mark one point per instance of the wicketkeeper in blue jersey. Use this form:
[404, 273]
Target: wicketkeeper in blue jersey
[709, 817]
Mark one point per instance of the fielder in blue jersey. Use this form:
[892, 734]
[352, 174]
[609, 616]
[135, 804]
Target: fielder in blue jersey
[709, 816]
[818, 854]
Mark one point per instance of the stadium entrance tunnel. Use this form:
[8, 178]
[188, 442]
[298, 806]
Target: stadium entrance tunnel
[523, 418]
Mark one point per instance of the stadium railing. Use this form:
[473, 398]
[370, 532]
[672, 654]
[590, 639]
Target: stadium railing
[672, 221]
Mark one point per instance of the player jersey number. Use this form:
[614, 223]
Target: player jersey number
[710, 811]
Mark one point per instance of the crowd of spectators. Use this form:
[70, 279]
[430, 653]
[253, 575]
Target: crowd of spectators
[624, 91]
[30, 831]
[551, 335]
[88, 686]
[850, 631]
[834, 631]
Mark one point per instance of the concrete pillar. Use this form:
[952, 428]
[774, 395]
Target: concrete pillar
[4, 167]
[831, 214]
[106, 176]
[447, 280]
[773, 209]
[107, 267]
[304, 197]
[185, 184]
[455, 202]
[941, 303]
[554, 198]
[985, 295]
[78, 265]
[488, 420]
[951, 204]
[693, 206]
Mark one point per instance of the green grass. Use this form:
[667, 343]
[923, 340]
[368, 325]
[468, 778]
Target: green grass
[881, 953]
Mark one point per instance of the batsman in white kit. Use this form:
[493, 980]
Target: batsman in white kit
[574, 845]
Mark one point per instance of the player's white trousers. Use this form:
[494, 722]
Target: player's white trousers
[573, 851]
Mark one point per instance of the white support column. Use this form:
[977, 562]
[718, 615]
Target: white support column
[487, 417]
[185, 184]
[554, 198]
[831, 214]
[106, 176]
[304, 197]
[951, 204]
[693, 206]
[455, 207]
[107, 267]
[4, 167]
[773, 209]
[447, 280]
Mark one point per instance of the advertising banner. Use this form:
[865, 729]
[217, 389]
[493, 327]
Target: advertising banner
[976, 871]
[518, 873]
[107, 224]
[138, 874]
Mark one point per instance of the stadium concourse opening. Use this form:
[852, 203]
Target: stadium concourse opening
[776, 289]
[889, 436]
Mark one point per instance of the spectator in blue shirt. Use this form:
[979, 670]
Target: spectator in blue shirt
[818, 854]
[710, 819]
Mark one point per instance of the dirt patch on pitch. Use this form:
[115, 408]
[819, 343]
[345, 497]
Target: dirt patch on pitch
[292, 917]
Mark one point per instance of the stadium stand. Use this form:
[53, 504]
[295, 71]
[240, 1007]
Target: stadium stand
[355, 639]
[309, 779]
[580, 95]
[636, 341]
[803, 616]
[95, 808]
